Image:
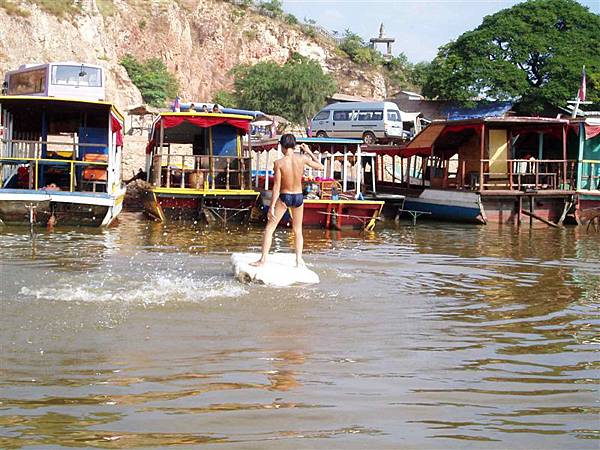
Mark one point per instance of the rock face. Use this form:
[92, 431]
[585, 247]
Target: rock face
[199, 40]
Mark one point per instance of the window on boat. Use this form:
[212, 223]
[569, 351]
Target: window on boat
[393, 116]
[30, 82]
[77, 76]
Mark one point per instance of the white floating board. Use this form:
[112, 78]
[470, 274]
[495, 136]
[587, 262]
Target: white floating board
[279, 271]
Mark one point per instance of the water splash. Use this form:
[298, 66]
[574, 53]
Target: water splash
[160, 289]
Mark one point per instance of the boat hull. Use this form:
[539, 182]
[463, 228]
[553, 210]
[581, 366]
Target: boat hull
[30, 207]
[446, 205]
[228, 207]
[332, 214]
[588, 206]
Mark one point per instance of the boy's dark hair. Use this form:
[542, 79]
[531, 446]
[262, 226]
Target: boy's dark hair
[287, 140]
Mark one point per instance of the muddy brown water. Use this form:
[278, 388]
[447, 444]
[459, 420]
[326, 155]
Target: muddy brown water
[439, 336]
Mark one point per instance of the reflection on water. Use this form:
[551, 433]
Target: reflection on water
[435, 336]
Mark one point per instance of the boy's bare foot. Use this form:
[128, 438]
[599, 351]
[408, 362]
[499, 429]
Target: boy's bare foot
[300, 263]
[258, 263]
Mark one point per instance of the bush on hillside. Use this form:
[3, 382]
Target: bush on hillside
[359, 51]
[151, 77]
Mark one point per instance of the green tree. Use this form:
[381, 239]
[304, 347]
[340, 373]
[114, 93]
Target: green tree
[296, 90]
[225, 98]
[399, 70]
[533, 51]
[151, 77]
[359, 51]
[273, 8]
[419, 73]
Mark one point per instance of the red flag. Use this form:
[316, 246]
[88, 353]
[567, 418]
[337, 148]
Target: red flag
[582, 88]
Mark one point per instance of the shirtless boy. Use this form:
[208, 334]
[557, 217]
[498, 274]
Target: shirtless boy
[287, 193]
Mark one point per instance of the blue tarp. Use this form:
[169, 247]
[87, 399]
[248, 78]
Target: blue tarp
[493, 109]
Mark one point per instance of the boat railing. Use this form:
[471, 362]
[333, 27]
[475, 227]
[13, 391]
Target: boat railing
[512, 174]
[590, 175]
[486, 174]
[201, 172]
[23, 165]
[535, 174]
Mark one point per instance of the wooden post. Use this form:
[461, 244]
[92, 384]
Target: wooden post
[183, 171]
[510, 174]
[227, 175]
[401, 170]
[332, 160]
[211, 161]
[267, 171]
[394, 169]
[345, 171]
[71, 176]
[537, 172]
[481, 154]
[358, 170]
[564, 143]
[257, 169]
[373, 173]
[161, 141]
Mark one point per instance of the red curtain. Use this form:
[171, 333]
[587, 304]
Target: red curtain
[117, 128]
[206, 121]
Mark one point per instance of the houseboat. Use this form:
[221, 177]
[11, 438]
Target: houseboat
[333, 197]
[584, 146]
[198, 168]
[60, 156]
[494, 169]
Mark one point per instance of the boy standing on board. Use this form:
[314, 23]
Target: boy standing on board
[287, 193]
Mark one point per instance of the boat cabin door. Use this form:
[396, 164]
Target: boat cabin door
[498, 154]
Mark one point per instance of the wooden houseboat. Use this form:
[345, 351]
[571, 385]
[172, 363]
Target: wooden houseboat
[333, 198]
[584, 146]
[502, 170]
[60, 158]
[198, 169]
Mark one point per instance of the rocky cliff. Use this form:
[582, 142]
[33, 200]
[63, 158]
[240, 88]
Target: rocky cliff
[199, 40]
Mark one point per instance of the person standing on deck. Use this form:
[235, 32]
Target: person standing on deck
[287, 193]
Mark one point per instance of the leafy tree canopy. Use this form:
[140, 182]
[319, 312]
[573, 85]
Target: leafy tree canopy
[296, 90]
[533, 51]
[151, 77]
[359, 51]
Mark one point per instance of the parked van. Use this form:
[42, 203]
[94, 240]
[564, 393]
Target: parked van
[370, 121]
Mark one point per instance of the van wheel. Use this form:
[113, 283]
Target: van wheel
[369, 138]
[321, 134]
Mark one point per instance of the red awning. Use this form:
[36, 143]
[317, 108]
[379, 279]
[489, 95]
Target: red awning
[206, 121]
[591, 131]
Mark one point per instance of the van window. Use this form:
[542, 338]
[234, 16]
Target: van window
[342, 115]
[322, 115]
[393, 116]
[370, 115]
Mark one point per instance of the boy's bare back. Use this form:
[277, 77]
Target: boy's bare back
[292, 171]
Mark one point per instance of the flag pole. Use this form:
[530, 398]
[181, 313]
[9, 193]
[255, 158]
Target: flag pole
[579, 94]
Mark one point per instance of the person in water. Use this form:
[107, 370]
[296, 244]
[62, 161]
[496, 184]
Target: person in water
[287, 193]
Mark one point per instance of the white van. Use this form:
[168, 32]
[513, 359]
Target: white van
[370, 121]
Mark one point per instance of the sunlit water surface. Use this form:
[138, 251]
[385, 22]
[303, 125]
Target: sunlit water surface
[438, 336]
